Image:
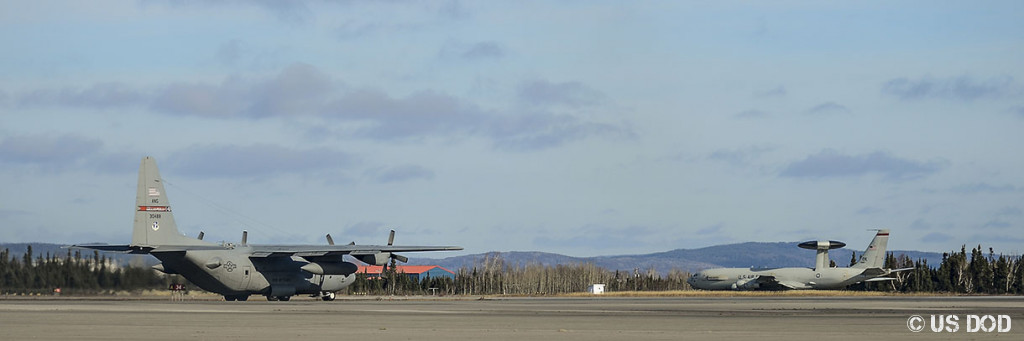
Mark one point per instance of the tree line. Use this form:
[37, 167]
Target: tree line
[70, 274]
[973, 272]
[962, 272]
[492, 276]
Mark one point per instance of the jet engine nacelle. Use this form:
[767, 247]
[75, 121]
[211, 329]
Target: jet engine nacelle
[379, 258]
[331, 268]
[746, 284]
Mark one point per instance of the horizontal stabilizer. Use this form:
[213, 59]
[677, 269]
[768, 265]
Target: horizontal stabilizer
[874, 272]
[880, 279]
[882, 272]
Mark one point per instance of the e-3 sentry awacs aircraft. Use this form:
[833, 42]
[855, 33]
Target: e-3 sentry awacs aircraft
[239, 270]
[869, 268]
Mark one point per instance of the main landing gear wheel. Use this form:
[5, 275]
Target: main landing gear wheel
[278, 298]
[236, 297]
[327, 296]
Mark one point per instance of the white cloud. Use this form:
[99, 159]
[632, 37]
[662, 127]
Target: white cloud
[779, 91]
[982, 187]
[255, 160]
[828, 108]
[831, 163]
[740, 157]
[571, 94]
[399, 173]
[479, 51]
[751, 114]
[937, 238]
[963, 88]
[48, 152]
[97, 96]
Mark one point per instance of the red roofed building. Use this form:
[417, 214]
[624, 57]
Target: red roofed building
[415, 272]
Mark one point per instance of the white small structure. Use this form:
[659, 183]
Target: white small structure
[596, 289]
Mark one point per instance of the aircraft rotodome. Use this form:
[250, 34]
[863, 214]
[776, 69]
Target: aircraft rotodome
[240, 270]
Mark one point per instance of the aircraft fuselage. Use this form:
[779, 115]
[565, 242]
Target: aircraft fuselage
[232, 272]
[792, 278]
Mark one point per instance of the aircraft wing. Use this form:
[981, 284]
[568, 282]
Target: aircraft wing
[140, 249]
[783, 285]
[766, 282]
[773, 283]
[874, 272]
[260, 251]
[113, 248]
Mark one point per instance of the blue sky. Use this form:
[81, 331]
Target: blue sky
[578, 127]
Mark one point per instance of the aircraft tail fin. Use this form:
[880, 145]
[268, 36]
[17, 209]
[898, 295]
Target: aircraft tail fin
[874, 256]
[154, 222]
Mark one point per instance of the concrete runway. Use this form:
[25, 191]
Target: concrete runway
[597, 318]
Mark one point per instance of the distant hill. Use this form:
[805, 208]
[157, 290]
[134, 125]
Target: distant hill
[730, 255]
[512, 258]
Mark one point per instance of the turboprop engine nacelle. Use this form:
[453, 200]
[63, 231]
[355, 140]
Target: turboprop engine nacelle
[378, 258]
[160, 267]
[330, 268]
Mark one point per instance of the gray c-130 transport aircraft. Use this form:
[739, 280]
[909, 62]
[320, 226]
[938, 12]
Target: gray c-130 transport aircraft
[869, 268]
[239, 270]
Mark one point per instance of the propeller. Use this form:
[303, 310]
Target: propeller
[330, 241]
[394, 257]
[201, 234]
[391, 241]
[245, 237]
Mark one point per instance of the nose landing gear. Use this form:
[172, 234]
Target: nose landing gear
[327, 296]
